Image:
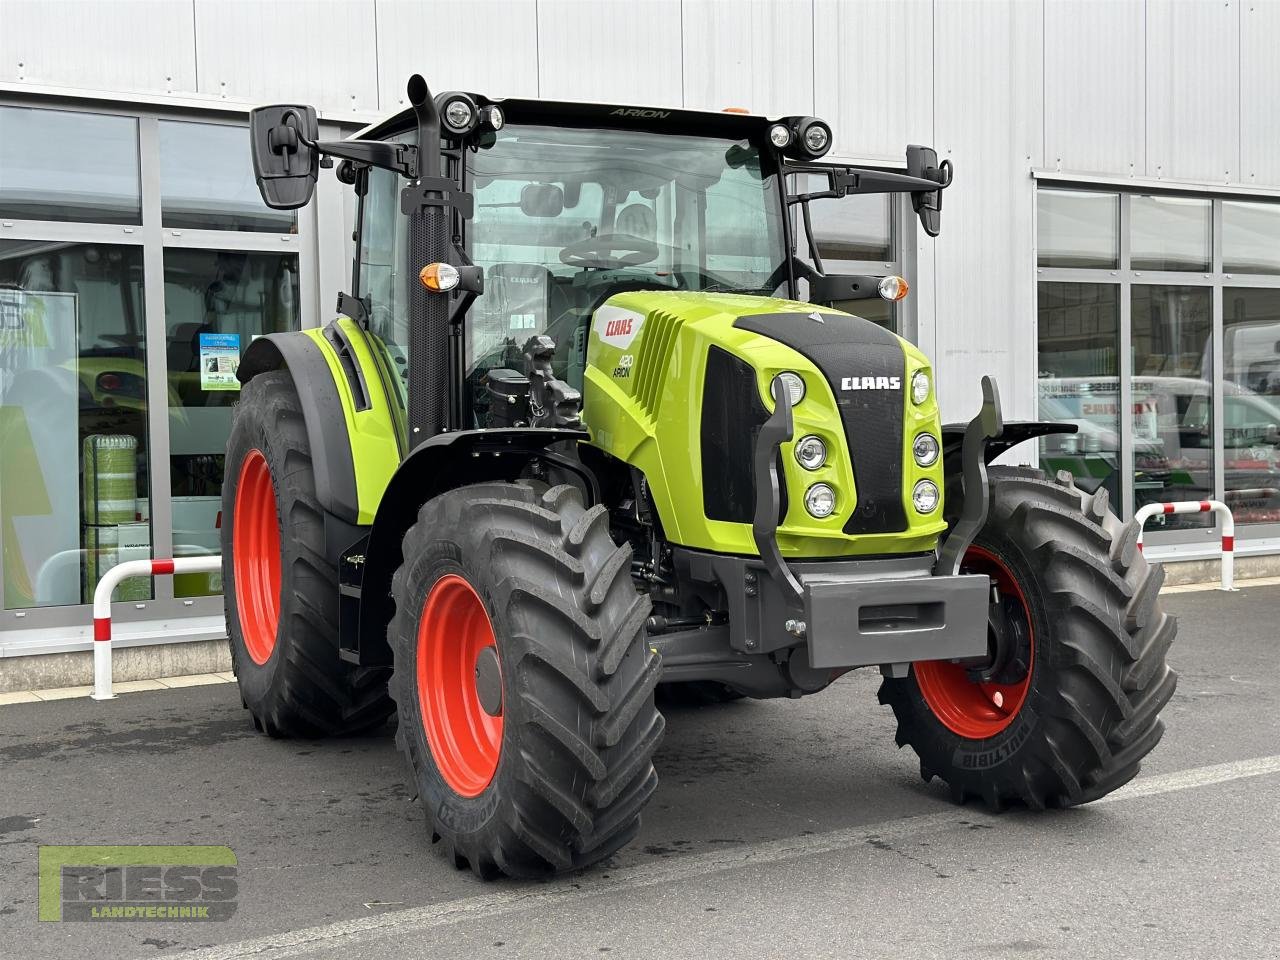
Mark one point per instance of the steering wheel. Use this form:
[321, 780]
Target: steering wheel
[609, 251]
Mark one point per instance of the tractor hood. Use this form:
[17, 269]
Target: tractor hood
[677, 384]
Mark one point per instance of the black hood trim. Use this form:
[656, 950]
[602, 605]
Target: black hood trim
[844, 348]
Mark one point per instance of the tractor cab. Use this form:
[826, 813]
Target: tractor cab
[568, 204]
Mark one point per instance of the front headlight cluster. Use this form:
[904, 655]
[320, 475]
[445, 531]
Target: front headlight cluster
[811, 452]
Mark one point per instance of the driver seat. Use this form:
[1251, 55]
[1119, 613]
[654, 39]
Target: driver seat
[637, 220]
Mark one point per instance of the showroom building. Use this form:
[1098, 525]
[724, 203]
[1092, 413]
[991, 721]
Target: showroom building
[1110, 248]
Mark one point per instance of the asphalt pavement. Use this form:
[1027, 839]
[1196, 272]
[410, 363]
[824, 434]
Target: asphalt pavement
[779, 829]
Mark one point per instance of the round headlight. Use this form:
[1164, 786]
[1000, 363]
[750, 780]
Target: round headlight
[794, 384]
[811, 452]
[494, 117]
[925, 496]
[820, 500]
[925, 449]
[920, 387]
[458, 114]
[779, 135]
[817, 138]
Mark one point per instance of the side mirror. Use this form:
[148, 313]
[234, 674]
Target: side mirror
[541, 200]
[285, 160]
[922, 162]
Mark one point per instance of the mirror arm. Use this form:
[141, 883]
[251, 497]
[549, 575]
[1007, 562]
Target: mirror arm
[400, 158]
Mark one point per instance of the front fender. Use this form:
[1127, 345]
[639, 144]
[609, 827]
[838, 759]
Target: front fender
[351, 424]
[443, 462]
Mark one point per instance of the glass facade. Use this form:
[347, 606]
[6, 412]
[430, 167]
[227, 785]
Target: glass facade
[137, 263]
[1132, 318]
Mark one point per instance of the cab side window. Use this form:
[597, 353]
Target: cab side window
[383, 255]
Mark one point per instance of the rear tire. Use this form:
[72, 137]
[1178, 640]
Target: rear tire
[556, 781]
[1076, 726]
[281, 591]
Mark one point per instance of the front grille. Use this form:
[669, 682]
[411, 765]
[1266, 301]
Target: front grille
[844, 346]
[732, 415]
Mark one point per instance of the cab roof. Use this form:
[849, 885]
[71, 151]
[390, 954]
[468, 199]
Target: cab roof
[725, 125]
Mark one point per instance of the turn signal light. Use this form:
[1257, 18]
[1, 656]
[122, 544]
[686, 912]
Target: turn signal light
[893, 288]
[439, 277]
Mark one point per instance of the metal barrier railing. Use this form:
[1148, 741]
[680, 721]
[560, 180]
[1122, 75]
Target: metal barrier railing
[1199, 506]
[102, 606]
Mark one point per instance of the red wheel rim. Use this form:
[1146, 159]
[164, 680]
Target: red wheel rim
[465, 741]
[255, 552]
[967, 708]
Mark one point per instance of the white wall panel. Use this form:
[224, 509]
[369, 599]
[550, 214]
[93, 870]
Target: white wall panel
[874, 74]
[320, 52]
[613, 51]
[129, 45]
[494, 52]
[757, 55]
[1193, 89]
[1260, 94]
[989, 107]
[1095, 86]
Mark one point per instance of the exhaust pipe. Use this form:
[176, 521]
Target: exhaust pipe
[425, 200]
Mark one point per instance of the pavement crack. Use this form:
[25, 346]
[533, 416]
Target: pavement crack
[882, 844]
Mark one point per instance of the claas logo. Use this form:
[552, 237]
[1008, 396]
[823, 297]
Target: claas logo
[871, 383]
[617, 328]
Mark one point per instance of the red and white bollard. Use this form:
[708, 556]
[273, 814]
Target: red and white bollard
[102, 606]
[1199, 506]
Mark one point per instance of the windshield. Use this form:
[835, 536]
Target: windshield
[566, 217]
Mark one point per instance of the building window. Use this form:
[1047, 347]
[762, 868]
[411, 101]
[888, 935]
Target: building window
[66, 166]
[1170, 233]
[1250, 237]
[74, 495]
[1172, 397]
[1079, 336]
[1078, 229]
[1251, 402]
[207, 183]
[216, 303]
[1130, 282]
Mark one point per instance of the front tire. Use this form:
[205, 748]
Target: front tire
[515, 599]
[1076, 706]
[280, 588]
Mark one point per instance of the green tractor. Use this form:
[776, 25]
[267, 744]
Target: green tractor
[587, 425]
